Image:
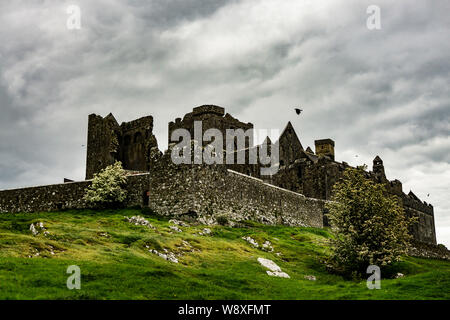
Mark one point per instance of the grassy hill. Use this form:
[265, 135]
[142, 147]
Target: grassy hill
[116, 263]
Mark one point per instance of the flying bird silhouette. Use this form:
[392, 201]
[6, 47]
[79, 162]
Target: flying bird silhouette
[298, 111]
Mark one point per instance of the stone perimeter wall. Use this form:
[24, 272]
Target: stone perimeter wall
[64, 196]
[176, 190]
[213, 191]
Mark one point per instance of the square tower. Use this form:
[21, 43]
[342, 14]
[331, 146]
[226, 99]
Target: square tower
[325, 147]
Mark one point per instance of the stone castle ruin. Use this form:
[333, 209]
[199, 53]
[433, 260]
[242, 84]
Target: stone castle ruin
[295, 195]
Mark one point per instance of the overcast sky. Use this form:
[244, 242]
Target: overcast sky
[375, 92]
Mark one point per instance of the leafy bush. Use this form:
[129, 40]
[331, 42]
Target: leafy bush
[108, 187]
[369, 225]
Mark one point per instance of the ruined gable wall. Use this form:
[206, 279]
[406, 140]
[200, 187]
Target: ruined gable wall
[108, 142]
[136, 140]
[289, 146]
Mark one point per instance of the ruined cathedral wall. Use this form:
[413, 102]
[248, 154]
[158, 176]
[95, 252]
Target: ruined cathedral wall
[424, 229]
[64, 196]
[316, 180]
[108, 142]
[136, 139]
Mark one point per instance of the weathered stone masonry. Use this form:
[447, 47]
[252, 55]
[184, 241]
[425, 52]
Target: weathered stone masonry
[175, 190]
[295, 195]
[109, 142]
[64, 196]
[212, 191]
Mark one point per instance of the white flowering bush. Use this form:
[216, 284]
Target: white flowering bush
[108, 187]
[369, 225]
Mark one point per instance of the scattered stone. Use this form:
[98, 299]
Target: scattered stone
[33, 230]
[310, 278]
[275, 270]
[51, 250]
[267, 246]
[138, 220]
[169, 256]
[104, 234]
[35, 254]
[175, 228]
[251, 241]
[269, 264]
[278, 274]
[278, 254]
[37, 228]
[179, 223]
[399, 275]
[424, 250]
[205, 232]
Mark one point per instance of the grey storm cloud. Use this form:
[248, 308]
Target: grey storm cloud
[373, 91]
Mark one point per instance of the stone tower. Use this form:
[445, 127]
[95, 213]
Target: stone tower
[129, 143]
[378, 169]
[325, 147]
[211, 117]
[102, 143]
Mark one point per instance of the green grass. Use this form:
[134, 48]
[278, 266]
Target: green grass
[222, 266]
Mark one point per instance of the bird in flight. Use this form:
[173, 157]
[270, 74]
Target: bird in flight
[428, 195]
[298, 111]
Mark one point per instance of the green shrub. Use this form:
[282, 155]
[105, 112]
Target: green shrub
[368, 224]
[108, 188]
